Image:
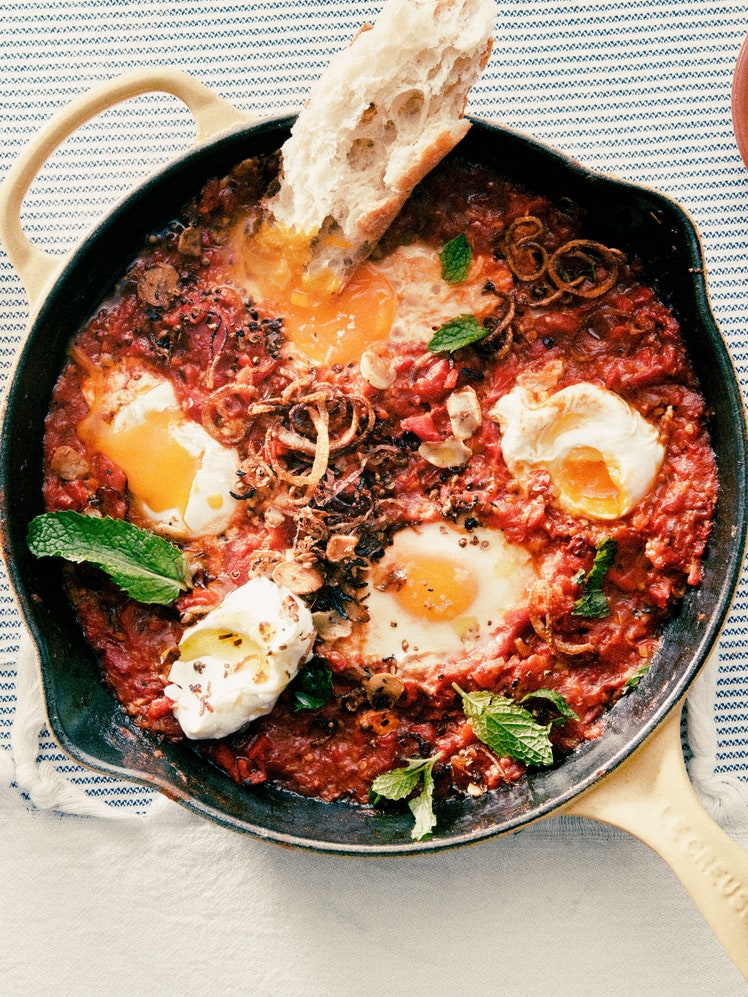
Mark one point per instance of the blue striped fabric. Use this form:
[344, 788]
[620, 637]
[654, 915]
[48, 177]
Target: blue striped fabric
[637, 88]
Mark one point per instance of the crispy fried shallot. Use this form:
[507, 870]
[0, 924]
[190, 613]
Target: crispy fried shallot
[499, 325]
[580, 267]
[313, 423]
[527, 258]
[303, 426]
[541, 618]
[225, 413]
[584, 268]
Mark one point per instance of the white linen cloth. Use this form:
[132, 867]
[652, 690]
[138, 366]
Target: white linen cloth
[110, 889]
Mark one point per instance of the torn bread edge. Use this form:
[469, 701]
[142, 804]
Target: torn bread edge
[383, 115]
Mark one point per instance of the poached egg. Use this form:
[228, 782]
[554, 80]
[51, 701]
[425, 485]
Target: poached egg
[179, 477]
[234, 664]
[601, 454]
[401, 297]
[438, 591]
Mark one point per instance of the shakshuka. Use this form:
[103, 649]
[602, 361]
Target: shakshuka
[482, 468]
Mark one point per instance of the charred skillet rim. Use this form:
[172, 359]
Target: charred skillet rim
[83, 715]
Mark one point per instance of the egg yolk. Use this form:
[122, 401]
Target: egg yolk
[337, 328]
[433, 589]
[236, 650]
[584, 477]
[327, 326]
[160, 471]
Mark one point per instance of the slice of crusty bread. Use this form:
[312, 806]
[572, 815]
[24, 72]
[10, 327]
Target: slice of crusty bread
[384, 113]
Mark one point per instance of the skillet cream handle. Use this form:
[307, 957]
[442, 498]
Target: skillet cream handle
[212, 115]
[650, 796]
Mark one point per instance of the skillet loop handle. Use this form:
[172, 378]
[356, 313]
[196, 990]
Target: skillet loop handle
[650, 796]
[212, 114]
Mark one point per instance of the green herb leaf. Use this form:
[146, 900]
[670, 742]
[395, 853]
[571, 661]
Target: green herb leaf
[633, 680]
[592, 605]
[592, 602]
[556, 699]
[455, 259]
[399, 783]
[312, 687]
[456, 333]
[512, 732]
[147, 567]
[422, 808]
[509, 730]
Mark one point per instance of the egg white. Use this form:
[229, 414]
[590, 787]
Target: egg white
[425, 301]
[581, 422]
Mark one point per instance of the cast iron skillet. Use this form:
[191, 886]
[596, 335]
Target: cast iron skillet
[644, 790]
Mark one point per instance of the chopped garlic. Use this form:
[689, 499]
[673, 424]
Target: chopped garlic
[377, 370]
[464, 412]
[446, 453]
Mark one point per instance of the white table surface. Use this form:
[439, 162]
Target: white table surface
[160, 902]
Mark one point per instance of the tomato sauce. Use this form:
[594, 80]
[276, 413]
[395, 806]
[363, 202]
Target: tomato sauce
[180, 312]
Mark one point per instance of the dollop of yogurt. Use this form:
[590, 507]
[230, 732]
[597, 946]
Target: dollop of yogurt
[235, 662]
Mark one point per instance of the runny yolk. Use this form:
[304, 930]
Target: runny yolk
[328, 327]
[434, 589]
[337, 328]
[142, 449]
[584, 477]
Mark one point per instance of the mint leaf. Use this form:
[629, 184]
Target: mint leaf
[512, 732]
[456, 333]
[399, 783]
[633, 680]
[509, 730]
[147, 567]
[475, 704]
[312, 687]
[604, 557]
[455, 259]
[592, 603]
[593, 606]
[556, 699]
[422, 808]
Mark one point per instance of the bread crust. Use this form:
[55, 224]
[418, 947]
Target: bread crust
[383, 115]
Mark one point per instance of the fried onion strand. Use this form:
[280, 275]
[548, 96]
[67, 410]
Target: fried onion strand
[527, 258]
[542, 623]
[590, 255]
